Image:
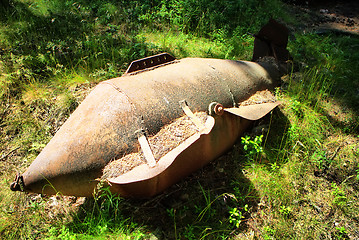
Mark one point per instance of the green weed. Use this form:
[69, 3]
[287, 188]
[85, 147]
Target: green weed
[189, 232]
[208, 211]
[101, 217]
[274, 167]
[236, 217]
[269, 233]
[286, 211]
[320, 159]
[340, 198]
[296, 107]
[52, 53]
[341, 233]
[252, 148]
[205, 17]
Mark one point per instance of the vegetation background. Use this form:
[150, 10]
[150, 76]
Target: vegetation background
[295, 175]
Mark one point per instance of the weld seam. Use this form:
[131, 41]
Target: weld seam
[133, 106]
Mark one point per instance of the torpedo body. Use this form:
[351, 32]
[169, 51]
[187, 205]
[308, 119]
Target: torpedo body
[106, 124]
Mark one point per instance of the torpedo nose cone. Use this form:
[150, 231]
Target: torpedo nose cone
[90, 138]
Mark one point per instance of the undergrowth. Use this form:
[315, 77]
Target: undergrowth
[295, 175]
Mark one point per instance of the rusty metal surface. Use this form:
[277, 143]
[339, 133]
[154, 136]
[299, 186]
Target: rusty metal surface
[155, 94]
[253, 112]
[100, 130]
[220, 135]
[272, 40]
[149, 62]
[103, 127]
[217, 136]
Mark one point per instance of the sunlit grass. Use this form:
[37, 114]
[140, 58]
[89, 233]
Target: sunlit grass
[304, 182]
[183, 45]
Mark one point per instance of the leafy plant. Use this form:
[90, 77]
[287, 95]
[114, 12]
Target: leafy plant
[294, 132]
[296, 106]
[339, 195]
[189, 232]
[207, 17]
[341, 233]
[171, 212]
[274, 166]
[319, 157]
[235, 217]
[286, 211]
[269, 233]
[252, 148]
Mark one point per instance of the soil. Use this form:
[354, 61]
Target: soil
[259, 97]
[328, 16]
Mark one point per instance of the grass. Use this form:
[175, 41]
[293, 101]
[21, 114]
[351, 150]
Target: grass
[297, 178]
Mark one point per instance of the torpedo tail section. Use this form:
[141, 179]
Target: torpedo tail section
[272, 41]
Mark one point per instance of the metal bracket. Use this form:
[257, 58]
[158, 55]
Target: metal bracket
[145, 146]
[215, 108]
[149, 62]
[253, 112]
[18, 184]
[190, 114]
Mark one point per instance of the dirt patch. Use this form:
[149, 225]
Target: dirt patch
[342, 16]
[337, 164]
[259, 97]
[329, 16]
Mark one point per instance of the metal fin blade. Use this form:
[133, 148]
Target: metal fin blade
[253, 112]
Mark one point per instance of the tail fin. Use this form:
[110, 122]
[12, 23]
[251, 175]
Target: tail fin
[272, 41]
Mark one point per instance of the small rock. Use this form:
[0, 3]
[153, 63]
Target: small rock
[260, 129]
[184, 197]
[53, 201]
[323, 11]
[153, 237]
[35, 197]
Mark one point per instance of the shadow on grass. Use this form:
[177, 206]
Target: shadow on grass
[197, 207]
[337, 55]
[346, 86]
[44, 41]
[274, 127]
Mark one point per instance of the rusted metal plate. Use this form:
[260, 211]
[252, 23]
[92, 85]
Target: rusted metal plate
[272, 40]
[217, 136]
[253, 112]
[190, 156]
[149, 62]
[144, 172]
